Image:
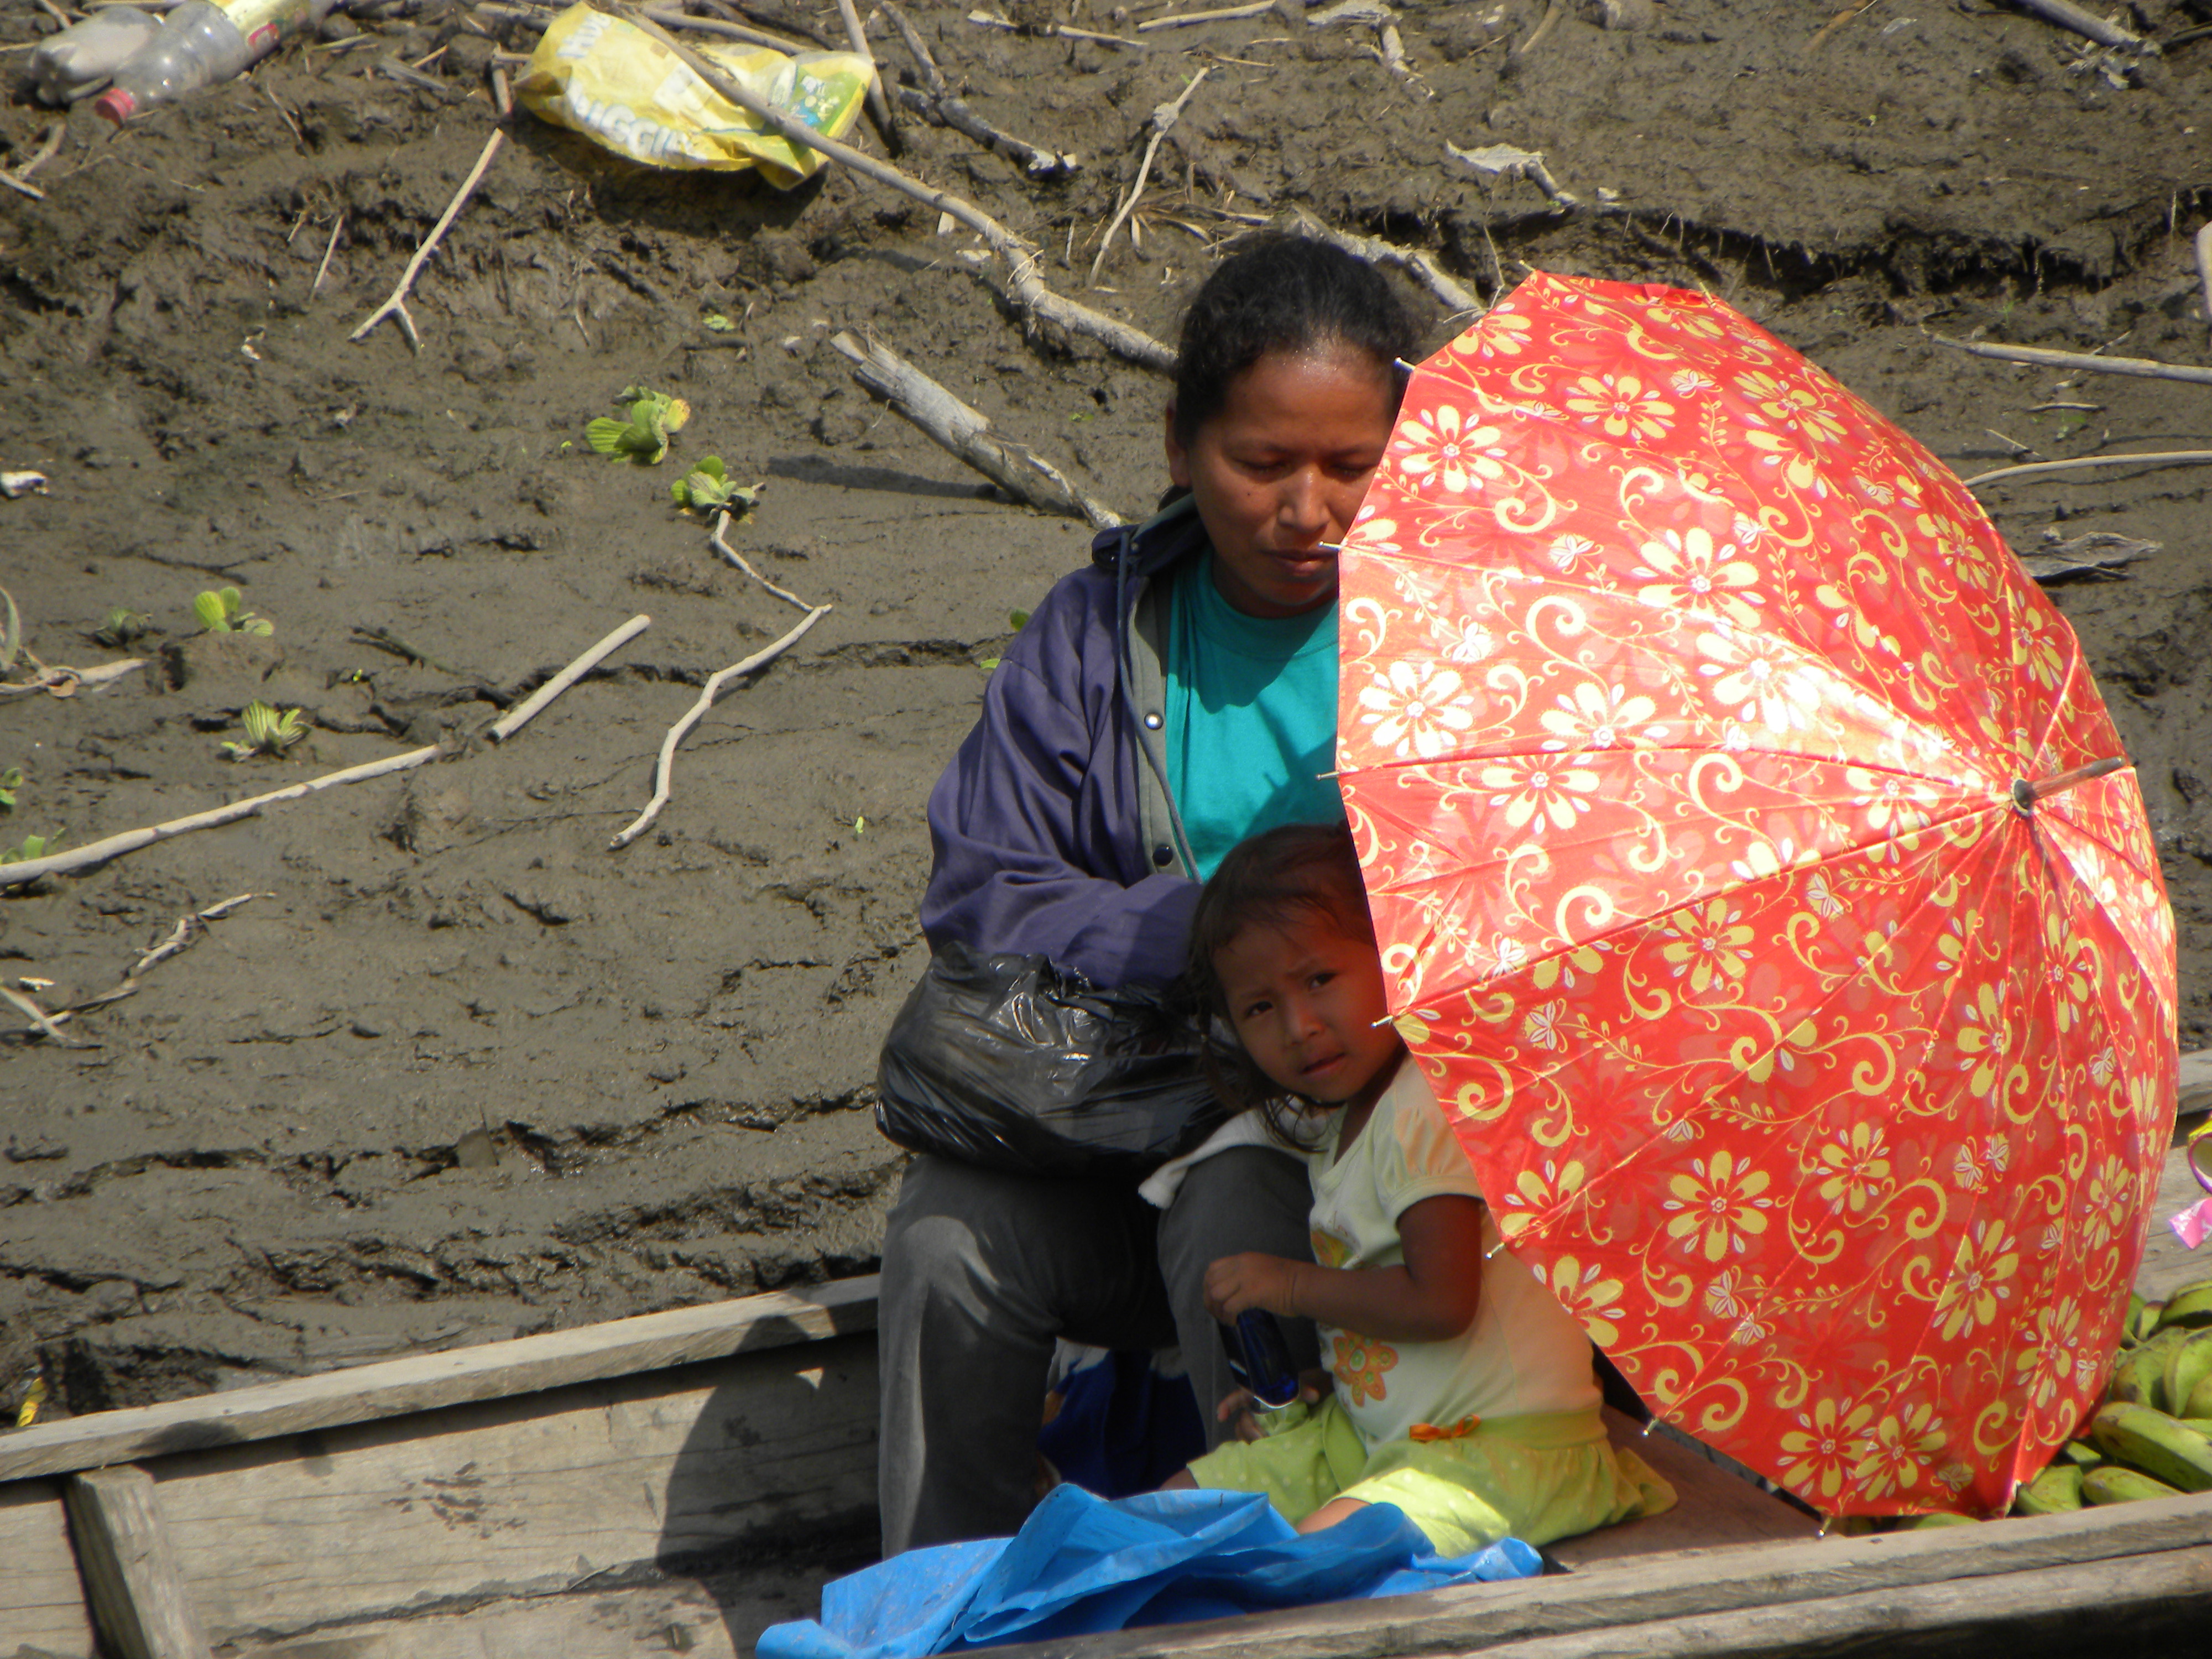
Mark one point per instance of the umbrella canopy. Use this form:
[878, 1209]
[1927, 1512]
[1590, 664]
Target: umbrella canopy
[1719, 777]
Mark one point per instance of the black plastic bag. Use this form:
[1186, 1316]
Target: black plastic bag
[1006, 1063]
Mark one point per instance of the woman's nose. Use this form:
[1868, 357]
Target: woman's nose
[1302, 507]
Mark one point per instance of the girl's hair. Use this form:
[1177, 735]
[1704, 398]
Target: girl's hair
[1287, 294]
[1269, 880]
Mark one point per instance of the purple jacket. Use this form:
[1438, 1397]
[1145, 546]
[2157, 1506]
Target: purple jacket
[1052, 831]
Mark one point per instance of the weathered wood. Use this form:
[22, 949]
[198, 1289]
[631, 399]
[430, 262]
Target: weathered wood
[138, 1600]
[619, 1623]
[425, 1383]
[536, 1494]
[41, 1597]
[1717, 1508]
[2125, 1605]
[964, 432]
[1686, 1584]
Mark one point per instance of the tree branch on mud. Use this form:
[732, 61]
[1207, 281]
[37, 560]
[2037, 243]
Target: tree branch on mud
[1373, 249]
[188, 929]
[2082, 463]
[396, 305]
[1024, 288]
[966, 432]
[2085, 23]
[99, 852]
[2149, 368]
[934, 100]
[664, 771]
[1163, 117]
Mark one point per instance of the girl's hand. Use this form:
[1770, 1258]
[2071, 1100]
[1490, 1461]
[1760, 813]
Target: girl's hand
[1236, 1405]
[1250, 1280]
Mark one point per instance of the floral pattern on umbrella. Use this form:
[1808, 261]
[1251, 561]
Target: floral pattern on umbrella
[1824, 1071]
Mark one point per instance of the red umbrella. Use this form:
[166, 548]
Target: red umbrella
[1760, 882]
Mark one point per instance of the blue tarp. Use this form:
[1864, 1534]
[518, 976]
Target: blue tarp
[1082, 1563]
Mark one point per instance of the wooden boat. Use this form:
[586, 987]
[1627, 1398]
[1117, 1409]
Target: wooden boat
[675, 1482]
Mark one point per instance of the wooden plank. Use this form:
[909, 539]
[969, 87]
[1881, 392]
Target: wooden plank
[719, 1617]
[139, 1603]
[427, 1382]
[1654, 1588]
[530, 1495]
[2129, 1606]
[41, 1598]
[1717, 1507]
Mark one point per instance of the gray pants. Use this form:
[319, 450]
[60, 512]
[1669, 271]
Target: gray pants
[982, 1271]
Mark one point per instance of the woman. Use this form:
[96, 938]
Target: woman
[1160, 706]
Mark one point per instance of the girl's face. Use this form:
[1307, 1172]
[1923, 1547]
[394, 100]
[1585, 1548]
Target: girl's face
[1279, 469]
[1307, 1001]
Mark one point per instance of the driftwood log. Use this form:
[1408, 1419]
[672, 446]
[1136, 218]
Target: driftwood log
[966, 432]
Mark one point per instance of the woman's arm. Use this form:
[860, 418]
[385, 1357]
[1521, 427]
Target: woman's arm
[1033, 826]
[1432, 1298]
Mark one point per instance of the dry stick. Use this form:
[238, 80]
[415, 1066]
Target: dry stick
[130, 841]
[935, 100]
[1024, 288]
[966, 432]
[63, 681]
[2156, 458]
[1163, 117]
[716, 541]
[878, 108]
[323, 269]
[2082, 22]
[1374, 251]
[1183, 20]
[1551, 16]
[46, 1024]
[2148, 367]
[987, 21]
[693, 715]
[2204, 266]
[542, 20]
[188, 929]
[520, 716]
[396, 305]
[47, 150]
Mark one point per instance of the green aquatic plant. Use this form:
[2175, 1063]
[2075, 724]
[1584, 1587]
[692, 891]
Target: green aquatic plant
[33, 847]
[121, 626]
[708, 488]
[221, 610]
[654, 417]
[10, 781]
[1016, 620]
[268, 731]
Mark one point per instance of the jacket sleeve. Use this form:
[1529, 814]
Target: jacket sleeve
[1027, 858]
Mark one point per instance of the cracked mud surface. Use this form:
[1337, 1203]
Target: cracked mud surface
[460, 1072]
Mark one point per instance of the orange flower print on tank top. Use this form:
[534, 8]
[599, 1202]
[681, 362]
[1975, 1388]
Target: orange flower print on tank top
[1358, 1366]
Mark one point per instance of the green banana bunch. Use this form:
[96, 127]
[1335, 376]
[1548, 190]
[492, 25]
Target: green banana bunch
[2113, 1484]
[2156, 1444]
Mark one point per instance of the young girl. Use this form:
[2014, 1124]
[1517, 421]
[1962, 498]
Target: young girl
[1466, 1397]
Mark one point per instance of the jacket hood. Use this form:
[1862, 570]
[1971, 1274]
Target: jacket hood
[1168, 535]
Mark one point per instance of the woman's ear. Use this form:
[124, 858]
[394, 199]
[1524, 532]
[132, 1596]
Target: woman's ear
[1178, 456]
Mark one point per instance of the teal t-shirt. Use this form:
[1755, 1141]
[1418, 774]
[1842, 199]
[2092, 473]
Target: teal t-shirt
[1251, 716]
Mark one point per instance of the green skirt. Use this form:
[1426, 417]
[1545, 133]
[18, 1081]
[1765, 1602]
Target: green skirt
[1536, 1478]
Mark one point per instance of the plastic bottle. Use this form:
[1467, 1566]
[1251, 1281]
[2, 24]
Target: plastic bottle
[204, 41]
[81, 58]
[1261, 1359]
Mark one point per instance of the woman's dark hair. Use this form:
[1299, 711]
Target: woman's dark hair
[1282, 293]
[1270, 880]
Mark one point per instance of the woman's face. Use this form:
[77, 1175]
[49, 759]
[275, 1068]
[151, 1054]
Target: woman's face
[1279, 469]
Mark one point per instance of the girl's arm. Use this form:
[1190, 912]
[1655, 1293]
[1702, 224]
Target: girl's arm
[1432, 1298]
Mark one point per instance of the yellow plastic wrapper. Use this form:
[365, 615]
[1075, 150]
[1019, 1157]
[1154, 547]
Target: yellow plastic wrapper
[607, 79]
